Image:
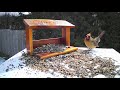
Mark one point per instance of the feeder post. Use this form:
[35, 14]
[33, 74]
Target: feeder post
[66, 35]
[29, 41]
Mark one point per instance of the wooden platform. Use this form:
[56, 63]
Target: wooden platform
[47, 55]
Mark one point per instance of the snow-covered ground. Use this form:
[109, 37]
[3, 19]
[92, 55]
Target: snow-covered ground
[15, 68]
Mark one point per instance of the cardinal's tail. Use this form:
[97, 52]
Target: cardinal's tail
[101, 34]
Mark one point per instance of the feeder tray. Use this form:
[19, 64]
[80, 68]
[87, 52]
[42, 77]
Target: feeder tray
[65, 26]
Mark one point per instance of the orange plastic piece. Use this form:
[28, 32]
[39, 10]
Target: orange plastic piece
[47, 55]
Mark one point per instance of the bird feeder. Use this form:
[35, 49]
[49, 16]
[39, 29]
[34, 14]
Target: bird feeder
[35, 24]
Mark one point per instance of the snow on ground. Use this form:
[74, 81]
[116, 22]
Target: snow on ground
[13, 60]
[15, 68]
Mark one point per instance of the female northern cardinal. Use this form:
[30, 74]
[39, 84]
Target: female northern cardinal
[92, 42]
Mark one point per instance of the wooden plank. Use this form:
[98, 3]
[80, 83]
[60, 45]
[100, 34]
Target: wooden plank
[11, 49]
[29, 41]
[8, 40]
[64, 35]
[23, 40]
[19, 40]
[13, 43]
[22, 37]
[47, 55]
[5, 41]
[40, 42]
[67, 36]
[16, 41]
[48, 27]
[0, 40]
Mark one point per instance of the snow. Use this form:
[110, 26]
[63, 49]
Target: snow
[117, 76]
[63, 23]
[99, 76]
[15, 71]
[14, 13]
[25, 13]
[15, 60]
[27, 72]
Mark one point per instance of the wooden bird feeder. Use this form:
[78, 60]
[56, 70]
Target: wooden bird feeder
[31, 24]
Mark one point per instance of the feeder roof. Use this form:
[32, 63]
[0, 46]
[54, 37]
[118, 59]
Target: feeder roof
[47, 23]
